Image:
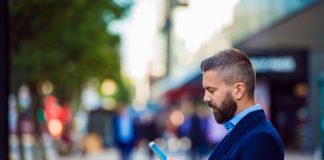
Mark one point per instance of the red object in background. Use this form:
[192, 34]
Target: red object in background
[194, 91]
[65, 113]
[52, 108]
[56, 116]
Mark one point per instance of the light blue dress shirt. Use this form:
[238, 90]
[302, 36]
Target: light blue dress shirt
[229, 125]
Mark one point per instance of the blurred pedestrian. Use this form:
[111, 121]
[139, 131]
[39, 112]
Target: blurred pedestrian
[149, 130]
[197, 135]
[125, 131]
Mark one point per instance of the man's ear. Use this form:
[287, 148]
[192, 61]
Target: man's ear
[238, 90]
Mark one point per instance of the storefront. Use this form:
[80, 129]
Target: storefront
[281, 90]
[302, 35]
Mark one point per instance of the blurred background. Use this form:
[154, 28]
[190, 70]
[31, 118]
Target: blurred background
[101, 79]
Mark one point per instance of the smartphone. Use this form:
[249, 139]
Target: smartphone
[156, 149]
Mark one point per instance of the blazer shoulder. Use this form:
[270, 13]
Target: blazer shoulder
[262, 137]
[263, 145]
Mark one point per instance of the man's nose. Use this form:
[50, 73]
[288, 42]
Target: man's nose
[206, 98]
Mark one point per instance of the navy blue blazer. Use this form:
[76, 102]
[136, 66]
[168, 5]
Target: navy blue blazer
[253, 138]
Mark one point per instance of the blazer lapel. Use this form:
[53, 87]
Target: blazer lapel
[217, 148]
[248, 121]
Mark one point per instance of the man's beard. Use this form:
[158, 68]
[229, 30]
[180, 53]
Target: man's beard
[225, 111]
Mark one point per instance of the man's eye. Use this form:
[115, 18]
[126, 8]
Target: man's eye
[211, 91]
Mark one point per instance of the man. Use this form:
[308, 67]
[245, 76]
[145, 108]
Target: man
[229, 83]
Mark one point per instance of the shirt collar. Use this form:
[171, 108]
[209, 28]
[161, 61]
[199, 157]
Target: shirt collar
[229, 125]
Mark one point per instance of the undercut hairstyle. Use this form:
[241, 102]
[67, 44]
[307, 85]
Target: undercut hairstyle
[234, 66]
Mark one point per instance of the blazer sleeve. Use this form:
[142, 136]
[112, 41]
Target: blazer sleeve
[262, 146]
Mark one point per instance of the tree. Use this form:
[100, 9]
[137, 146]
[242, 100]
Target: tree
[66, 42]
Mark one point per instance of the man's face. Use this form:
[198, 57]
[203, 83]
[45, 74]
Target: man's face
[218, 96]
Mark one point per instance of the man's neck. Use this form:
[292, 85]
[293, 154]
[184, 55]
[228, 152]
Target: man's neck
[244, 104]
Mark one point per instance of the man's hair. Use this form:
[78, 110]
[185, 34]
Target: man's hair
[234, 66]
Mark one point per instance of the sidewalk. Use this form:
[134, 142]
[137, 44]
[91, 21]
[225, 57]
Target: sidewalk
[141, 154]
[289, 155]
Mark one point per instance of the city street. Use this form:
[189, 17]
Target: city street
[100, 80]
[141, 154]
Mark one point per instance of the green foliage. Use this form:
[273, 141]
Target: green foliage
[66, 42]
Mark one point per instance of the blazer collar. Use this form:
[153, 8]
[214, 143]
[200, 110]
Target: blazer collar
[245, 123]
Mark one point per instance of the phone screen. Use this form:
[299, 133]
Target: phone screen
[157, 151]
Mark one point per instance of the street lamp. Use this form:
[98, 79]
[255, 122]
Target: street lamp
[171, 4]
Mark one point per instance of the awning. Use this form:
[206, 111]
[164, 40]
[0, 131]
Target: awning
[303, 29]
[188, 85]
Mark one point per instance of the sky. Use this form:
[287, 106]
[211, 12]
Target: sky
[194, 24]
[202, 19]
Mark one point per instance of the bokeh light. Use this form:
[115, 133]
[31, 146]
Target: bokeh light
[108, 87]
[47, 88]
[55, 127]
[177, 118]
